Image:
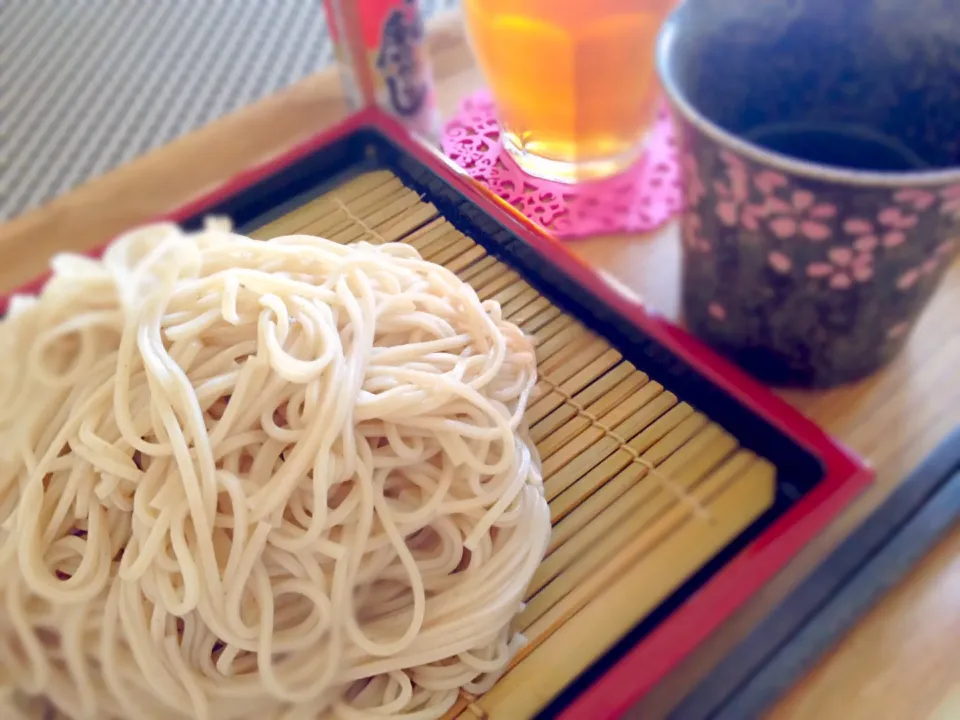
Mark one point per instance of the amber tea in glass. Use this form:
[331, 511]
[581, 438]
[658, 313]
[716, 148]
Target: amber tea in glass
[574, 80]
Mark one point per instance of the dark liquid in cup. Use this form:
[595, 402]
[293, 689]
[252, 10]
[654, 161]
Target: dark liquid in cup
[846, 146]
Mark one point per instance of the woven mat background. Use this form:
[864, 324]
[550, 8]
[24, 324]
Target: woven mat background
[86, 85]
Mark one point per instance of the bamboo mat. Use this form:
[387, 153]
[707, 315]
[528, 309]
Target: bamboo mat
[643, 489]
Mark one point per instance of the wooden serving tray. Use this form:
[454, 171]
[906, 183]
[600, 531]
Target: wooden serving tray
[677, 485]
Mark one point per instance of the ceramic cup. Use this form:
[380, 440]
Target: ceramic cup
[820, 146]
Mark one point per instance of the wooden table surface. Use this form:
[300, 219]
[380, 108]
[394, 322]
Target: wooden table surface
[902, 661]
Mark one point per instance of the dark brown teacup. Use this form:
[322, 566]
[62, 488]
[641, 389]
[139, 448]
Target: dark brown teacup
[820, 144]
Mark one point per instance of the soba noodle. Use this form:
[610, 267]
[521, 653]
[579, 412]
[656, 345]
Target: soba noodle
[245, 479]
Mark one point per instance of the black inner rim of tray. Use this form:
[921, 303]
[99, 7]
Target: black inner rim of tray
[366, 150]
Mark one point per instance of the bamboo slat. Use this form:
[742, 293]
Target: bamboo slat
[643, 489]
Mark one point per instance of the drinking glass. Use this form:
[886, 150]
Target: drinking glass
[574, 80]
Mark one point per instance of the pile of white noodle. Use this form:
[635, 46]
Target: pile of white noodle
[260, 480]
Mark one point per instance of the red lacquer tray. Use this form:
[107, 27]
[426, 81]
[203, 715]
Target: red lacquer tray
[816, 477]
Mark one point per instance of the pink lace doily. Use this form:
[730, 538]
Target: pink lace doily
[639, 200]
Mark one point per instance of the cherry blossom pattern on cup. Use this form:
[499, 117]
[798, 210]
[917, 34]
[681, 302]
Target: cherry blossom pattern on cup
[951, 201]
[717, 311]
[867, 236]
[928, 267]
[916, 198]
[793, 213]
[894, 224]
[733, 198]
[844, 267]
[780, 262]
